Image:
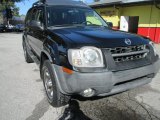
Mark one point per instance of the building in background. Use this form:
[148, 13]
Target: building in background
[136, 16]
[17, 20]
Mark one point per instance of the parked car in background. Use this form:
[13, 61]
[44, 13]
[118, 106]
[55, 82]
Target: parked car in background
[2, 28]
[10, 28]
[19, 27]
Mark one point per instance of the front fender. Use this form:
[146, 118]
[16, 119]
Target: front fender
[50, 48]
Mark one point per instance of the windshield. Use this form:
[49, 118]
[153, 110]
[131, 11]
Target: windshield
[69, 16]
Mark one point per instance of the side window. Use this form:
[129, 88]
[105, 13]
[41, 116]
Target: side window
[28, 17]
[33, 16]
[39, 17]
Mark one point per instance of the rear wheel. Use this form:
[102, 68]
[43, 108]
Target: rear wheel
[55, 97]
[26, 55]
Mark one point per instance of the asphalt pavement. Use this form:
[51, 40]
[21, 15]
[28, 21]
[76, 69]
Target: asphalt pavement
[22, 95]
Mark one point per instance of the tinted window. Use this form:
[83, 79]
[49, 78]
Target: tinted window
[28, 17]
[72, 16]
[34, 14]
[37, 15]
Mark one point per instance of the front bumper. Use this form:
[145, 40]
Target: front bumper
[104, 83]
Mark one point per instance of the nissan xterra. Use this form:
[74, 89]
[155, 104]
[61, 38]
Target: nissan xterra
[78, 52]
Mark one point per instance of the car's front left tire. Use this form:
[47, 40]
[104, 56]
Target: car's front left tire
[55, 97]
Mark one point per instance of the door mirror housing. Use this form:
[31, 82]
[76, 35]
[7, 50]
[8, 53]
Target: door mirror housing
[110, 24]
[36, 24]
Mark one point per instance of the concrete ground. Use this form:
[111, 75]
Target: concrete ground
[22, 95]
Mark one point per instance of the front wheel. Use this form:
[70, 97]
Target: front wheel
[55, 97]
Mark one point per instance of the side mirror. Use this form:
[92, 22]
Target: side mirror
[36, 24]
[110, 24]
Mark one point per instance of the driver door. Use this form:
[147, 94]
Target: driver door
[37, 33]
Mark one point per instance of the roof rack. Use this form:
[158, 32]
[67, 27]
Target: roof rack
[40, 2]
[59, 2]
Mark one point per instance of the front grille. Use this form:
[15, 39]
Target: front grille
[129, 53]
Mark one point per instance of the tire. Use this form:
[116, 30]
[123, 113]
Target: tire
[28, 59]
[55, 97]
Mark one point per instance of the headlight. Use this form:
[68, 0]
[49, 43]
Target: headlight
[86, 57]
[90, 56]
[154, 48]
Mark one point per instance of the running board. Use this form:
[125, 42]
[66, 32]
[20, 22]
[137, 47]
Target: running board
[34, 58]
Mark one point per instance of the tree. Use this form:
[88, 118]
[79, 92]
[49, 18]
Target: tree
[6, 1]
[8, 8]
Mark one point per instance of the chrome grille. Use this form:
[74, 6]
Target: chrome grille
[121, 54]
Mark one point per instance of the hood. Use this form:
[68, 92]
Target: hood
[99, 36]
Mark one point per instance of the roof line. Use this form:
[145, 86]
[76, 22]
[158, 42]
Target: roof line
[117, 2]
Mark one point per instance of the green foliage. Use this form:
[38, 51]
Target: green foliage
[4, 1]
[10, 4]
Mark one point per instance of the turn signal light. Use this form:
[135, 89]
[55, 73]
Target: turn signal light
[67, 70]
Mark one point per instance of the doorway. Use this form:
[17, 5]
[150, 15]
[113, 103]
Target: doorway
[133, 24]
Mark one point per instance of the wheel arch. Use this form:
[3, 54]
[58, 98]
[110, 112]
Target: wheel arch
[44, 56]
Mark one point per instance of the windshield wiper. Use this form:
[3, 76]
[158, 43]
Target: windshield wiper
[63, 25]
[66, 25]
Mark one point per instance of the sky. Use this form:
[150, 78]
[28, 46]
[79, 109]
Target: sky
[26, 4]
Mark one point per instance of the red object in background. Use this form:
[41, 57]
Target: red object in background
[153, 33]
[157, 35]
[115, 27]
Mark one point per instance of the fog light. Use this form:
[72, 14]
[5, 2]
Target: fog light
[88, 92]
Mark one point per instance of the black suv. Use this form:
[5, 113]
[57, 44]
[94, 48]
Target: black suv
[79, 54]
